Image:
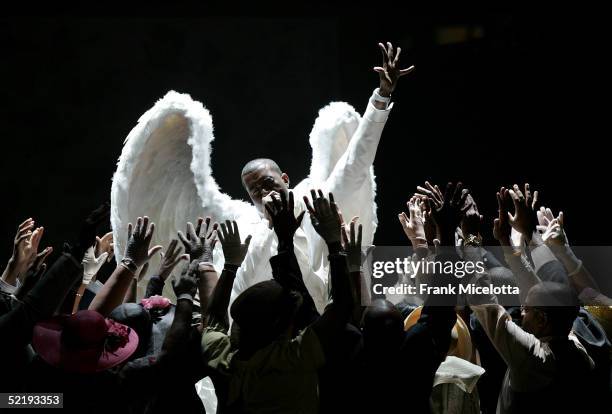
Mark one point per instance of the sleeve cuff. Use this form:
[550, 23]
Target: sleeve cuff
[7, 287]
[376, 115]
[542, 255]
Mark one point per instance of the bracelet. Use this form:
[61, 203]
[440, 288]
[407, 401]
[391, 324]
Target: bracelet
[185, 296]
[129, 264]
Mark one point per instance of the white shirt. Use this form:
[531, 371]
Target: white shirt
[351, 182]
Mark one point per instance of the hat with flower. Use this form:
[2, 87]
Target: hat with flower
[84, 342]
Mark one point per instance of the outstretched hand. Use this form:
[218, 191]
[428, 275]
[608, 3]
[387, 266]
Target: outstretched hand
[170, 259]
[87, 235]
[25, 254]
[105, 244]
[390, 72]
[351, 242]
[200, 246]
[553, 233]
[233, 248]
[414, 223]
[187, 283]
[281, 213]
[501, 225]
[524, 219]
[448, 215]
[139, 239]
[324, 216]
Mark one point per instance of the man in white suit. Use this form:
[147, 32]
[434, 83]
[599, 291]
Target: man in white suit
[350, 180]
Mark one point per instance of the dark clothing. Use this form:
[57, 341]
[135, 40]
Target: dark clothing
[17, 323]
[402, 380]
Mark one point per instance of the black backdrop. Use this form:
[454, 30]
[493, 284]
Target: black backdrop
[497, 98]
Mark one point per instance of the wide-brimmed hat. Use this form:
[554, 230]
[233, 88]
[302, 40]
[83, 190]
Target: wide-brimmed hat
[84, 342]
[461, 342]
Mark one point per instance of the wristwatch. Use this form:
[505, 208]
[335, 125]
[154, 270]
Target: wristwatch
[129, 264]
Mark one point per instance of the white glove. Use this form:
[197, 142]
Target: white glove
[92, 264]
[554, 234]
[551, 228]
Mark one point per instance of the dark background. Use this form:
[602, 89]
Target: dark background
[498, 97]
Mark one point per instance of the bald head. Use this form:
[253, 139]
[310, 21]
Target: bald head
[259, 163]
[550, 309]
[262, 176]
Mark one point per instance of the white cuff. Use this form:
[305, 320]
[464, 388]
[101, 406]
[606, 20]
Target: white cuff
[7, 287]
[377, 97]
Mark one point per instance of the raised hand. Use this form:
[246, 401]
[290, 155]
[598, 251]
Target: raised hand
[524, 219]
[200, 246]
[25, 252]
[472, 219]
[551, 227]
[233, 248]
[92, 264]
[187, 283]
[351, 243]
[448, 216]
[87, 235]
[139, 239]
[170, 259]
[390, 72]
[432, 193]
[501, 225]
[324, 216]
[105, 244]
[414, 224]
[281, 213]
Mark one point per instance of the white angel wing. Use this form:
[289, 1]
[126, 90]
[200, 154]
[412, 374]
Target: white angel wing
[164, 172]
[329, 139]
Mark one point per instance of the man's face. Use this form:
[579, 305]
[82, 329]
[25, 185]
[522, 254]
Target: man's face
[533, 318]
[262, 181]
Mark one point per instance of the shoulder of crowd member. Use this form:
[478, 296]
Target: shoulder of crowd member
[217, 350]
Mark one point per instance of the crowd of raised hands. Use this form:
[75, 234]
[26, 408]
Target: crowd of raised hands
[270, 350]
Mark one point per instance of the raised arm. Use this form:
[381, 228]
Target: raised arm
[137, 254]
[185, 289]
[25, 252]
[169, 260]
[234, 251]
[522, 221]
[353, 167]
[579, 276]
[326, 220]
[285, 268]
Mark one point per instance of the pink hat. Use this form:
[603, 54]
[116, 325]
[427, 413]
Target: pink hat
[84, 342]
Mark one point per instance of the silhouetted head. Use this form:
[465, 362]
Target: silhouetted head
[264, 312]
[383, 327]
[262, 176]
[550, 309]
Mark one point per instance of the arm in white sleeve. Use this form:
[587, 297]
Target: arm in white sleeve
[517, 348]
[354, 165]
[540, 253]
[523, 272]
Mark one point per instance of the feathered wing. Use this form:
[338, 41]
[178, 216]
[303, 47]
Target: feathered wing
[329, 139]
[164, 172]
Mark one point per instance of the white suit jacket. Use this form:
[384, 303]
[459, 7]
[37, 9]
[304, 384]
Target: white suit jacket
[351, 182]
